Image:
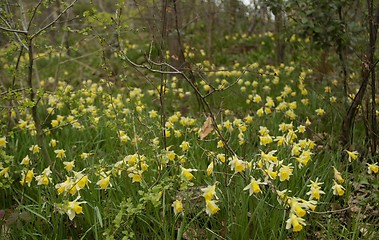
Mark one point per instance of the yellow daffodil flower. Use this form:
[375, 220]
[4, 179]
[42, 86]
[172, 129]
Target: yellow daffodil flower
[73, 208]
[338, 189]
[69, 165]
[210, 168]
[3, 142]
[211, 207]
[5, 173]
[253, 186]
[35, 149]
[352, 155]
[104, 182]
[337, 176]
[186, 173]
[60, 153]
[177, 205]
[27, 178]
[209, 192]
[184, 146]
[285, 172]
[372, 168]
[295, 222]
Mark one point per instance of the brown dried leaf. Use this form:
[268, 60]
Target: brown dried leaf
[206, 129]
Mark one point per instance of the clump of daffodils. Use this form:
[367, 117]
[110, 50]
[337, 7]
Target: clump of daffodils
[74, 184]
[209, 194]
[134, 165]
[315, 191]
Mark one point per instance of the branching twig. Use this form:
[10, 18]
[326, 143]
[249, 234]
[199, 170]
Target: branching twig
[54, 21]
[174, 70]
[13, 30]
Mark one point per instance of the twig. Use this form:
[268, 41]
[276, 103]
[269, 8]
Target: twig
[333, 211]
[54, 21]
[174, 70]
[13, 30]
[33, 15]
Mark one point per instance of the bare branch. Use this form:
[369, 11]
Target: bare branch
[33, 15]
[13, 30]
[54, 21]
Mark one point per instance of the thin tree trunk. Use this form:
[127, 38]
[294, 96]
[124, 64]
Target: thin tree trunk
[367, 69]
[373, 34]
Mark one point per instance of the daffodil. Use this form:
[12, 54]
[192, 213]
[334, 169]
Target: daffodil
[153, 114]
[171, 155]
[253, 186]
[44, 178]
[186, 173]
[296, 207]
[269, 157]
[4, 172]
[54, 123]
[27, 178]
[260, 112]
[73, 208]
[135, 176]
[309, 205]
[83, 181]
[60, 153]
[209, 192]
[248, 119]
[315, 190]
[210, 168]
[26, 161]
[65, 186]
[80, 182]
[53, 143]
[184, 146]
[352, 155]
[69, 165]
[372, 168]
[285, 172]
[295, 222]
[266, 139]
[301, 128]
[320, 112]
[177, 205]
[123, 137]
[104, 182]
[271, 173]
[34, 149]
[338, 189]
[337, 176]
[304, 158]
[308, 122]
[3, 142]
[263, 131]
[257, 98]
[211, 207]
[84, 155]
[227, 124]
[237, 165]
